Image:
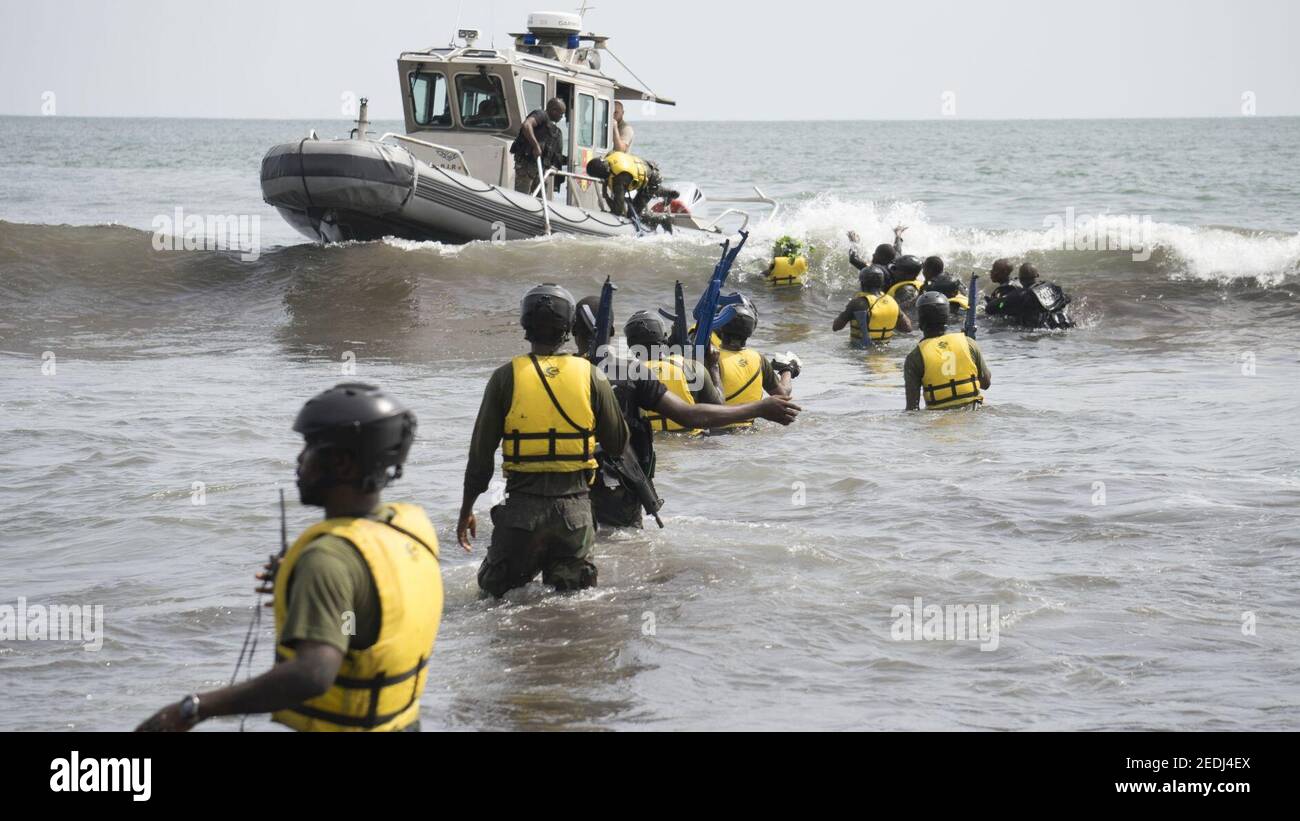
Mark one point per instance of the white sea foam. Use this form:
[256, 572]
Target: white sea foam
[1203, 252]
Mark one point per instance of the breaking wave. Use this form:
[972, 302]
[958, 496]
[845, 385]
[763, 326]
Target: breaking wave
[1210, 253]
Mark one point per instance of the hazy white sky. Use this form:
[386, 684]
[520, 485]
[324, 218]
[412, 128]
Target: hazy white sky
[812, 59]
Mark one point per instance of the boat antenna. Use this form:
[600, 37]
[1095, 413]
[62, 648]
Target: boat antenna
[643, 83]
[456, 28]
[584, 8]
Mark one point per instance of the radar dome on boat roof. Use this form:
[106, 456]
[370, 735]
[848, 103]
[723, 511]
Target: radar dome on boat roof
[554, 23]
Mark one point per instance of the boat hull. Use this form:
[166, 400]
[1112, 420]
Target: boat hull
[340, 190]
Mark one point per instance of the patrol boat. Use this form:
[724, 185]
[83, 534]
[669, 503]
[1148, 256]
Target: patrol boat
[450, 177]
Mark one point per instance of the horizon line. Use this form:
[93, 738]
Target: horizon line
[939, 119]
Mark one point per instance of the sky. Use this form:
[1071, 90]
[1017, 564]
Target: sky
[722, 60]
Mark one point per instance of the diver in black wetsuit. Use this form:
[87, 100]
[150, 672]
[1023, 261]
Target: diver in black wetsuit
[1005, 291]
[1038, 304]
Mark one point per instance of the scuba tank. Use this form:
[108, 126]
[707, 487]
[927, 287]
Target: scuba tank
[1051, 303]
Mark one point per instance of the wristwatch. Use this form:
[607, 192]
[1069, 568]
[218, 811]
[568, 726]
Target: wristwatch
[190, 709]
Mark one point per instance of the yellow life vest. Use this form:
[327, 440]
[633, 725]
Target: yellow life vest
[742, 378]
[620, 162]
[713, 337]
[951, 378]
[551, 425]
[960, 301]
[918, 284]
[788, 271]
[671, 372]
[883, 319]
[378, 688]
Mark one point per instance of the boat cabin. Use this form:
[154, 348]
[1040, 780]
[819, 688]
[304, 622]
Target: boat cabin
[464, 105]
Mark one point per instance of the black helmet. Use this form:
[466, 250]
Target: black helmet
[645, 329]
[872, 278]
[598, 168]
[365, 421]
[546, 314]
[585, 318]
[907, 266]
[743, 323]
[932, 309]
[946, 284]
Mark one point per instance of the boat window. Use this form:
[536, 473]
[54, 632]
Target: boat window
[602, 123]
[586, 126]
[429, 99]
[534, 96]
[482, 102]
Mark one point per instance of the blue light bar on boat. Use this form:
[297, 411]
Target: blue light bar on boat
[530, 39]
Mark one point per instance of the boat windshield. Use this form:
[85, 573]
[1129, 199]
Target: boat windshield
[429, 100]
[482, 101]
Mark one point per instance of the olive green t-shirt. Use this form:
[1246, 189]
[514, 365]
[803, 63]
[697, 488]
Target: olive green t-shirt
[332, 597]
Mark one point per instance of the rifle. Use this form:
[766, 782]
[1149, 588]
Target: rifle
[602, 322]
[707, 316]
[971, 296]
[678, 337]
[627, 470]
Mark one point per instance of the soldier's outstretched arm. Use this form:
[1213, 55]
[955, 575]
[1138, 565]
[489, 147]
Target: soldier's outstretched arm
[777, 409]
[308, 674]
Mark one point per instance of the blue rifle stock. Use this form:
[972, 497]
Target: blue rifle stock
[972, 296]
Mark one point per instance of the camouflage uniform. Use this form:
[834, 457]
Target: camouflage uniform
[536, 534]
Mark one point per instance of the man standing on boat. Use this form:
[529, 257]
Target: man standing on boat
[623, 131]
[538, 137]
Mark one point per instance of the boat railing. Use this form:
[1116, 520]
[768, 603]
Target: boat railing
[546, 205]
[712, 225]
[445, 151]
[556, 172]
[760, 199]
[546, 180]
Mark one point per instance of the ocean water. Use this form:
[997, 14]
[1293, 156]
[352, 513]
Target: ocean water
[1127, 499]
